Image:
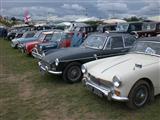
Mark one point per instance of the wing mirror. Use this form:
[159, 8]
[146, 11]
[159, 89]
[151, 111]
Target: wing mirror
[95, 56]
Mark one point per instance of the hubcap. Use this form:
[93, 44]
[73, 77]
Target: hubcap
[74, 73]
[141, 96]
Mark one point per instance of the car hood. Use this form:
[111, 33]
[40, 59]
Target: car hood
[16, 39]
[49, 44]
[121, 65]
[23, 40]
[32, 42]
[67, 54]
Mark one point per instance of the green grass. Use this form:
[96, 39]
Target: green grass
[27, 95]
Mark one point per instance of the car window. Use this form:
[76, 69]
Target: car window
[48, 37]
[147, 48]
[128, 41]
[66, 36]
[149, 26]
[158, 27]
[116, 42]
[56, 36]
[96, 42]
[29, 35]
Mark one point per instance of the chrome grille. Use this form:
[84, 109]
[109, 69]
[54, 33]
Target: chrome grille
[44, 64]
[38, 49]
[101, 82]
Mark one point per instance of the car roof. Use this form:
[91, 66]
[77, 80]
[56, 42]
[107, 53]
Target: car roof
[156, 22]
[156, 39]
[48, 32]
[110, 34]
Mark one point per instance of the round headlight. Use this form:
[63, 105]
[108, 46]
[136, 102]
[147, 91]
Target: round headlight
[40, 48]
[36, 46]
[83, 69]
[116, 81]
[43, 54]
[56, 61]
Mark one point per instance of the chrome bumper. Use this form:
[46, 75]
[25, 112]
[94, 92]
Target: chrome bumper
[103, 91]
[13, 45]
[35, 54]
[45, 68]
[21, 48]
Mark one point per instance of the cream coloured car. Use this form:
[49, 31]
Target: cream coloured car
[133, 78]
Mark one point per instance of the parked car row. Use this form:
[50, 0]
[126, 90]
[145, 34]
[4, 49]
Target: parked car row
[116, 65]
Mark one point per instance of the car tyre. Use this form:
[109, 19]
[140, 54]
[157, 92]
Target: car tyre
[139, 95]
[72, 73]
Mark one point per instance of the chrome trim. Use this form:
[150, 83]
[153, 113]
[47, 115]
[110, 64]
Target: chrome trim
[35, 54]
[108, 92]
[49, 71]
[108, 55]
[20, 46]
[13, 45]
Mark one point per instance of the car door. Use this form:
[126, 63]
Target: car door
[114, 46]
[47, 38]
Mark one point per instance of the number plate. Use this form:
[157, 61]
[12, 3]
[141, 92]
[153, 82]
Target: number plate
[42, 71]
[95, 91]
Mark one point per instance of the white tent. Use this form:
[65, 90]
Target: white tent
[20, 25]
[113, 21]
[64, 24]
[154, 18]
[85, 19]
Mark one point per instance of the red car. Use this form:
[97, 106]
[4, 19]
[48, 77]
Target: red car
[45, 37]
[59, 40]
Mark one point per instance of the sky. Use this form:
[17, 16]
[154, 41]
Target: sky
[44, 9]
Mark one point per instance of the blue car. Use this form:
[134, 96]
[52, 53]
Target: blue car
[27, 37]
[59, 39]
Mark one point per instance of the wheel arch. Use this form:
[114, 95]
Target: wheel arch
[150, 84]
[68, 63]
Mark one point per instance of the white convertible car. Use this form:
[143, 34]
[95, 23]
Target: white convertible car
[133, 78]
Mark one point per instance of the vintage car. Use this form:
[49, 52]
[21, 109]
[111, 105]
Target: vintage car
[44, 38]
[129, 27]
[23, 41]
[106, 28]
[26, 35]
[60, 39]
[148, 29]
[17, 32]
[3, 31]
[67, 61]
[132, 78]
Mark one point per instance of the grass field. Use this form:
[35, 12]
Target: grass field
[27, 95]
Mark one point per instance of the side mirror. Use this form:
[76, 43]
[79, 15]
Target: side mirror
[95, 56]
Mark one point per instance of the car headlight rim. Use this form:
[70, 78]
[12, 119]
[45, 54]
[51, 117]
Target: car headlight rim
[36, 46]
[43, 54]
[57, 62]
[116, 81]
[83, 69]
[40, 48]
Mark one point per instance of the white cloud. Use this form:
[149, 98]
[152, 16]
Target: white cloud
[122, 8]
[73, 7]
[153, 8]
[112, 8]
[36, 12]
[71, 18]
